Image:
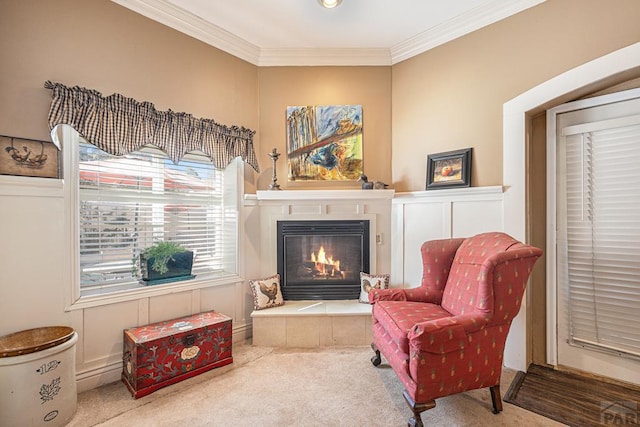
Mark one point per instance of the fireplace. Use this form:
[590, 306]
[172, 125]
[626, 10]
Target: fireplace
[322, 260]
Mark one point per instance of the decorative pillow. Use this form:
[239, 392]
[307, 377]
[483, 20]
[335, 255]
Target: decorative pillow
[266, 292]
[371, 281]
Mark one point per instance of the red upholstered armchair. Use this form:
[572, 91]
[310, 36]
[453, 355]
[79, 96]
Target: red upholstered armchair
[447, 336]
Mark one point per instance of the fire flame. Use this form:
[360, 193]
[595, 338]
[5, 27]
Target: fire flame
[325, 266]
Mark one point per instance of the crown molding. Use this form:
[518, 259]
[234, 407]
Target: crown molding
[324, 57]
[172, 16]
[459, 26]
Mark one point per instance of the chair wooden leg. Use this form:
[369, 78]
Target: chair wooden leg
[417, 409]
[496, 399]
[376, 359]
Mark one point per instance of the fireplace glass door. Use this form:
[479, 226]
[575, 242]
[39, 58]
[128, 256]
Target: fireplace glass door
[322, 259]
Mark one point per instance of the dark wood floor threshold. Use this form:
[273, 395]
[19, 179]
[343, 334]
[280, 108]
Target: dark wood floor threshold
[575, 399]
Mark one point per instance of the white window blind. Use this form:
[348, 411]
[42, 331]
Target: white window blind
[601, 230]
[128, 203]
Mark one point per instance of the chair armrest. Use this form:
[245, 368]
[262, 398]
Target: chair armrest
[414, 294]
[445, 335]
[424, 294]
[376, 295]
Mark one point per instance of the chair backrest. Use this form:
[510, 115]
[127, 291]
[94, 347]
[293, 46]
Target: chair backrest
[437, 259]
[488, 275]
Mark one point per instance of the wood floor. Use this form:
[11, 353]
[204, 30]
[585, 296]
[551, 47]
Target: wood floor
[573, 399]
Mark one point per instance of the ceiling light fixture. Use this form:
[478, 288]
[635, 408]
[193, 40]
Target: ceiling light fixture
[330, 4]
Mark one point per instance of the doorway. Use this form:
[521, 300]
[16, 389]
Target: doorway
[606, 71]
[594, 222]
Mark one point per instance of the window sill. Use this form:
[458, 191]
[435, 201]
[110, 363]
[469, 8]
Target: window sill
[137, 293]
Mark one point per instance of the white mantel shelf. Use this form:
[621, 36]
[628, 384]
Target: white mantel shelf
[408, 197]
[322, 194]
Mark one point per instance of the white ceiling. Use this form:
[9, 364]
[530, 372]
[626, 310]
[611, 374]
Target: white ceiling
[301, 32]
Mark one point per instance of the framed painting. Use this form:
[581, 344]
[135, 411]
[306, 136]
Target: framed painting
[450, 169]
[28, 157]
[324, 143]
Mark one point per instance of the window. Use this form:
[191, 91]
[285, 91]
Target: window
[127, 203]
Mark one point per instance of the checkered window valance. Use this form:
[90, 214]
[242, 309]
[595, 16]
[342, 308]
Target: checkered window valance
[120, 125]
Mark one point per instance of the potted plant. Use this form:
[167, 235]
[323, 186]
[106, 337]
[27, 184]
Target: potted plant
[165, 262]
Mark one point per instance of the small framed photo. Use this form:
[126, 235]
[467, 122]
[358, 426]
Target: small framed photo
[450, 169]
[28, 157]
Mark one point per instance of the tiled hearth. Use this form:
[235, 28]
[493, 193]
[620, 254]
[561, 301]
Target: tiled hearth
[313, 324]
[319, 323]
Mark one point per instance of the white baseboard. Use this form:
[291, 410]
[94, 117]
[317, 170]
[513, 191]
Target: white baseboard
[94, 378]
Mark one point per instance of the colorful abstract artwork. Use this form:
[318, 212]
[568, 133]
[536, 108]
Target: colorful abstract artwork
[324, 143]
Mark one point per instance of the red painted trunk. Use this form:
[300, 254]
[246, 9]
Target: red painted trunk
[165, 353]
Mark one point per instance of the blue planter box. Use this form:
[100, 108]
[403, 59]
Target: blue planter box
[179, 268]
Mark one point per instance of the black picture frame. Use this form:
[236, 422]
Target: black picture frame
[450, 169]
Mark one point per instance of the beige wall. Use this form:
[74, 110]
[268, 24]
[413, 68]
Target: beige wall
[451, 97]
[447, 98]
[100, 45]
[370, 87]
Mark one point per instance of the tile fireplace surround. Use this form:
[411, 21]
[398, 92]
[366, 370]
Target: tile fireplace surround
[320, 323]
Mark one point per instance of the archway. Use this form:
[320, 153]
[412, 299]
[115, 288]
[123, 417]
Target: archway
[584, 79]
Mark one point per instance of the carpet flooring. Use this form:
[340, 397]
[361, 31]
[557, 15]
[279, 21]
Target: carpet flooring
[264, 387]
[573, 399]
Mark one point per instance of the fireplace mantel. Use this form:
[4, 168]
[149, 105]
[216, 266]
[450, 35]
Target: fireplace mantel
[271, 206]
[289, 195]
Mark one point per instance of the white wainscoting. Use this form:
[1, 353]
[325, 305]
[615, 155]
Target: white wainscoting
[99, 352]
[35, 264]
[35, 286]
[438, 214]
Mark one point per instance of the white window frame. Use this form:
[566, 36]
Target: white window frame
[234, 187]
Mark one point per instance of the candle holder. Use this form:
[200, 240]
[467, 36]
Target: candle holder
[274, 158]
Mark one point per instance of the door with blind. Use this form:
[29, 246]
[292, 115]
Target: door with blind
[598, 237]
